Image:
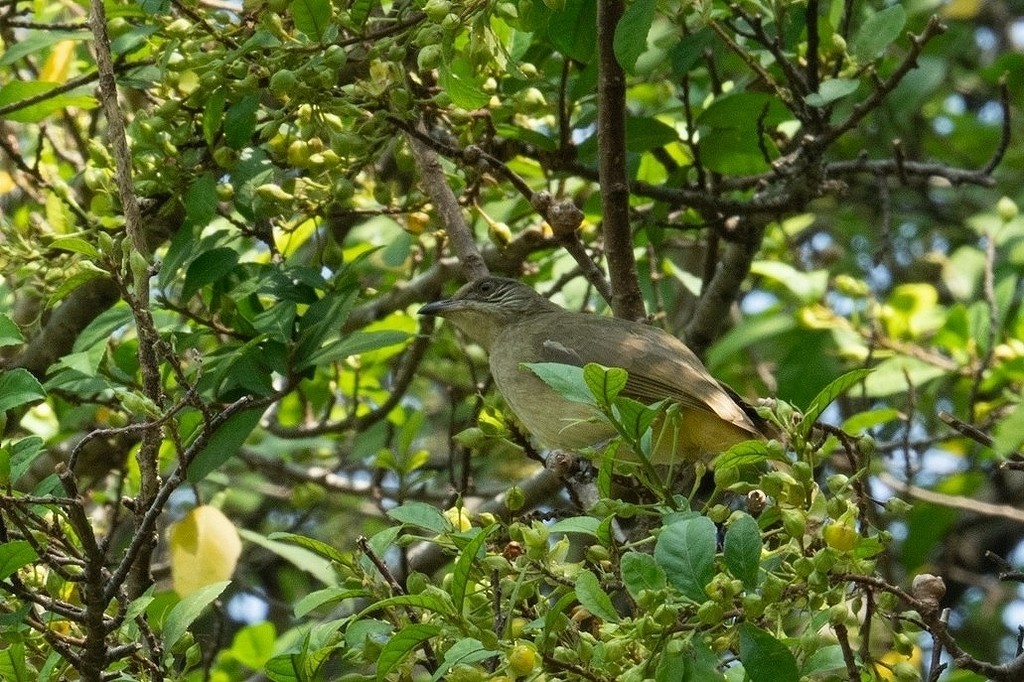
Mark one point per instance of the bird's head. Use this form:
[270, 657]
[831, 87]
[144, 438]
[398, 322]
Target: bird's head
[485, 306]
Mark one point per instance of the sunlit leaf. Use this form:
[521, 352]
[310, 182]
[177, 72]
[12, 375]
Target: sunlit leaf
[204, 549]
[36, 105]
[567, 380]
[835, 388]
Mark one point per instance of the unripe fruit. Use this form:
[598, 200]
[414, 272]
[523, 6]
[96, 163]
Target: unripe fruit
[429, 57]
[437, 10]
[840, 536]
[1007, 209]
[522, 660]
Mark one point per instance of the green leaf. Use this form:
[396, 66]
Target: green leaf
[730, 141]
[869, 419]
[593, 597]
[467, 650]
[631, 33]
[354, 344]
[587, 525]
[635, 418]
[422, 515]
[321, 319]
[223, 444]
[831, 90]
[702, 665]
[572, 29]
[23, 453]
[311, 17]
[328, 595]
[686, 551]
[824, 663]
[429, 600]
[284, 668]
[10, 334]
[567, 380]
[13, 660]
[87, 272]
[878, 32]
[299, 556]
[201, 200]
[14, 555]
[240, 121]
[643, 134]
[103, 325]
[401, 644]
[153, 7]
[825, 397]
[743, 454]
[18, 387]
[213, 115]
[359, 11]
[742, 550]
[640, 571]
[556, 614]
[75, 245]
[691, 48]
[764, 658]
[187, 610]
[605, 383]
[458, 80]
[806, 287]
[21, 91]
[253, 644]
[35, 41]
[318, 547]
[207, 268]
[468, 556]
[1009, 433]
[755, 329]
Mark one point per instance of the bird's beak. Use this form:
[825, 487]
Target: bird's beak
[440, 308]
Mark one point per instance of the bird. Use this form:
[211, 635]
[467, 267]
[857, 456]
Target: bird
[517, 326]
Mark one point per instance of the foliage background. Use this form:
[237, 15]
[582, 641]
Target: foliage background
[210, 288]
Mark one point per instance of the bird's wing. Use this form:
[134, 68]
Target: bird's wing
[659, 365]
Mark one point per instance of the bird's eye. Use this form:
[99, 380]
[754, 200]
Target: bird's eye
[486, 287]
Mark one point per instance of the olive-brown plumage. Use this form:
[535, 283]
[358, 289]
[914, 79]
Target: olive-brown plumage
[515, 325]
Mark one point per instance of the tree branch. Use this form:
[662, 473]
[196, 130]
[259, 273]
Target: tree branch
[627, 301]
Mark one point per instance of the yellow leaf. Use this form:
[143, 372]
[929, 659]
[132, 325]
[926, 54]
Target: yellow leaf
[961, 9]
[58, 64]
[6, 183]
[204, 549]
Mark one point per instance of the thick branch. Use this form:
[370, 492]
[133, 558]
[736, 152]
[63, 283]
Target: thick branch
[448, 209]
[627, 302]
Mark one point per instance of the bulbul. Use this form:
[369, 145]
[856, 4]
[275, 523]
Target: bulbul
[517, 326]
